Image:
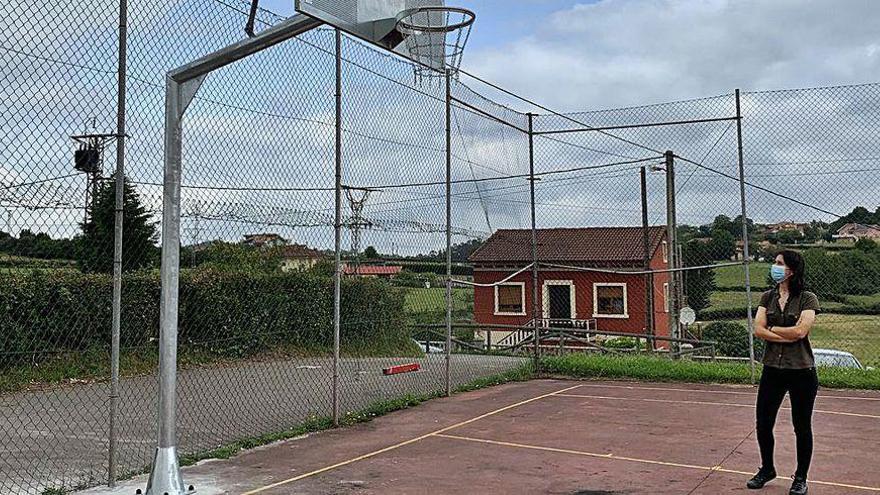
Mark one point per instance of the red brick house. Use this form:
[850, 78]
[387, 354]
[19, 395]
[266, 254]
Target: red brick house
[571, 297]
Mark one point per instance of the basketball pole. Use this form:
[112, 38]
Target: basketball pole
[536, 329]
[745, 236]
[181, 86]
[448, 231]
[337, 227]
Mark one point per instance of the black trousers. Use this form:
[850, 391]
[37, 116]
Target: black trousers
[802, 387]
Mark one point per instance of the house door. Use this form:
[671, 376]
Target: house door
[559, 302]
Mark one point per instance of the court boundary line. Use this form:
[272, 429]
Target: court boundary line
[707, 403]
[718, 469]
[403, 443]
[707, 391]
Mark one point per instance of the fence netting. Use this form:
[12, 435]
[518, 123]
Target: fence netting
[616, 231]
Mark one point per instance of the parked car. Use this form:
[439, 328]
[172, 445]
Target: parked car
[833, 357]
[431, 348]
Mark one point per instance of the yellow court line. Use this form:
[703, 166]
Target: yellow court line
[635, 459]
[706, 403]
[708, 391]
[404, 443]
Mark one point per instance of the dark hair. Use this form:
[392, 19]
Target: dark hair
[795, 262]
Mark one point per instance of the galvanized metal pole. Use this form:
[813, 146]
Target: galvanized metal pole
[181, 85]
[649, 277]
[745, 235]
[337, 227]
[448, 231]
[535, 279]
[165, 475]
[116, 325]
[671, 235]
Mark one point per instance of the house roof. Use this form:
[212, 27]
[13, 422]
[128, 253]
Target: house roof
[372, 270]
[591, 245]
[300, 251]
[858, 229]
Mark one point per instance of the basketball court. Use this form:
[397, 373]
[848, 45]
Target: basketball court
[565, 437]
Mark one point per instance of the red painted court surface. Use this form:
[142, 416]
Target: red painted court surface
[565, 437]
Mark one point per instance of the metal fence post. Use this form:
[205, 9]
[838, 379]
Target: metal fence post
[448, 231]
[535, 277]
[745, 236]
[649, 277]
[671, 234]
[337, 227]
[118, 219]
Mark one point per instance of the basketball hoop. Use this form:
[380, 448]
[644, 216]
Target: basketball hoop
[435, 38]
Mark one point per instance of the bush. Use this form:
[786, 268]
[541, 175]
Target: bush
[621, 343]
[732, 339]
[226, 314]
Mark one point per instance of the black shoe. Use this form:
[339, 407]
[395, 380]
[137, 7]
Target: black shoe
[762, 478]
[798, 486]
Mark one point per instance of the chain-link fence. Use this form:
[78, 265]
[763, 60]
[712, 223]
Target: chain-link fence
[596, 232]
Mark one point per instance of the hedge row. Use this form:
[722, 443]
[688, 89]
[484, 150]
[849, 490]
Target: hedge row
[740, 313]
[231, 314]
[435, 267]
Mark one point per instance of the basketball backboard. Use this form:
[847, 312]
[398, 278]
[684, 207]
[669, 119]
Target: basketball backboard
[374, 21]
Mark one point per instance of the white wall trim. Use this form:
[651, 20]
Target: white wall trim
[666, 297]
[522, 286]
[596, 314]
[571, 294]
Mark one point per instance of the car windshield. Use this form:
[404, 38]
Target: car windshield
[841, 360]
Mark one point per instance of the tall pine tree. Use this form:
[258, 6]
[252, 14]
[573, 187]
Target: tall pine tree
[139, 234]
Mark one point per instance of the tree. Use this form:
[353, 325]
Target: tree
[736, 226]
[698, 284]
[789, 236]
[723, 222]
[866, 245]
[370, 253]
[139, 235]
[722, 245]
[860, 214]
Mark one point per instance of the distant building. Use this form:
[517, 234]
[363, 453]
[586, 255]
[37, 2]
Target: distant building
[569, 297]
[775, 228]
[297, 257]
[264, 240]
[372, 271]
[856, 231]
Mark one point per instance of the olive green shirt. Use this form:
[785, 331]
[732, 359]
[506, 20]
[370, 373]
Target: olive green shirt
[794, 355]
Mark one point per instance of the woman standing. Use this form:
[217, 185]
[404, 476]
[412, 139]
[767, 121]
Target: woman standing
[785, 317]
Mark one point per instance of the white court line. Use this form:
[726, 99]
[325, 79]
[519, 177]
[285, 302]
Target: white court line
[707, 403]
[707, 391]
[635, 459]
[404, 443]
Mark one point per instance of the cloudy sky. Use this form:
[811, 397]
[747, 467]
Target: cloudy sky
[577, 55]
[268, 121]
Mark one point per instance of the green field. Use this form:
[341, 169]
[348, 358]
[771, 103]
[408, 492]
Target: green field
[419, 300]
[734, 276]
[736, 300]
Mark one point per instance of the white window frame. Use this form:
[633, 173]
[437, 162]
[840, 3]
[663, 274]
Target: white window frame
[596, 286]
[666, 297]
[665, 249]
[546, 297]
[522, 286]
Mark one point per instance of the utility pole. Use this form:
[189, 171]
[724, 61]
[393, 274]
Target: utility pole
[649, 277]
[672, 240]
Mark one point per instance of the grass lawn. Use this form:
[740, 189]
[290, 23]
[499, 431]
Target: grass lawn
[661, 369]
[734, 300]
[420, 300]
[734, 276]
[858, 334]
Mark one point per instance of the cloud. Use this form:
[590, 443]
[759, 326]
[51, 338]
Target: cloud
[624, 52]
